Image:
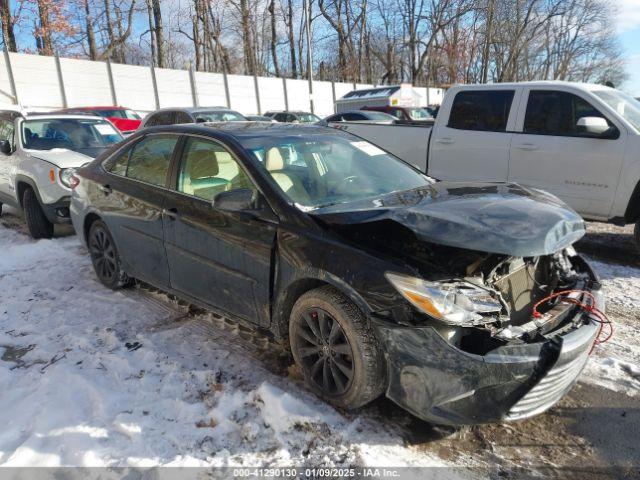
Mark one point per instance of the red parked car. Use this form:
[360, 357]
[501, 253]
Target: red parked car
[125, 119]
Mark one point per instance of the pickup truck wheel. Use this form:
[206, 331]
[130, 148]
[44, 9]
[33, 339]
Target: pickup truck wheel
[38, 224]
[336, 349]
[105, 257]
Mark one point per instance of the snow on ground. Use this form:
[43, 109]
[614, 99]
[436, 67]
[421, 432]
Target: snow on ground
[91, 377]
[616, 364]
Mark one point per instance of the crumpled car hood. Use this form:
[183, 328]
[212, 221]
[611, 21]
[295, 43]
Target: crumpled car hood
[495, 218]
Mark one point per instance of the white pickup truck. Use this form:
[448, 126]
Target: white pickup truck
[581, 142]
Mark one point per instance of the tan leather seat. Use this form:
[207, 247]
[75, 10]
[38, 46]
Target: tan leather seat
[290, 184]
[199, 177]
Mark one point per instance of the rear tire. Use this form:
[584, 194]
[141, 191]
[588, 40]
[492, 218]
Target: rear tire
[105, 257]
[336, 349]
[37, 222]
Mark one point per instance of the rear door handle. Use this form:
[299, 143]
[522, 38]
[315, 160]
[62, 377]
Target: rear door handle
[106, 189]
[527, 146]
[445, 140]
[171, 213]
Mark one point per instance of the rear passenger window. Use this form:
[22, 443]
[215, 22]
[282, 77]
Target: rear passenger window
[208, 169]
[556, 113]
[486, 111]
[148, 160]
[183, 117]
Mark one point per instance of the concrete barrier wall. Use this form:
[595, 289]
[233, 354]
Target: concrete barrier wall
[41, 83]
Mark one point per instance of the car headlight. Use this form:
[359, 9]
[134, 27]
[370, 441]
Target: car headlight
[454, 303]
[65, 176]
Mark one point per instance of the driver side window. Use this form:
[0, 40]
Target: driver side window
[207, 169]
[557, 113]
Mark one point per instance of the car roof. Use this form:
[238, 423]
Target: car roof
[535, 83]
[104, 107]
[246, 129]
[194, 109]
[49, 115]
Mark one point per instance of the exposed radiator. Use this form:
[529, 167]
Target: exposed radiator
[518, 290]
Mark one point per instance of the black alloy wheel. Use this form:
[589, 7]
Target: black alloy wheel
[105, 258]
[325, 352]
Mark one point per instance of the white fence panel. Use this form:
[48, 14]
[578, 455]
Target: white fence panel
[6, 97]
[243, 94]
[85, 82]
[271, 94]
[134, 87]
[363, 86]
[36, 80]
[342, 89]
[298, 93]
[174, 88]
[323, 99]
[210, 87]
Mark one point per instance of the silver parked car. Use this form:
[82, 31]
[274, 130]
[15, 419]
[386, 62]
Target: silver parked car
[173, 116]
[38, 157]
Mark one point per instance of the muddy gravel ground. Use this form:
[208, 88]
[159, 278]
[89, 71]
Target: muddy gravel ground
[593, 433]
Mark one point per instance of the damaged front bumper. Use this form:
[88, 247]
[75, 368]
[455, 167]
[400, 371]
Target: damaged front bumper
[438, 382]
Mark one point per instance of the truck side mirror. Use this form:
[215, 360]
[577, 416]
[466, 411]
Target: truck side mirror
[5, 147]
[596, 126]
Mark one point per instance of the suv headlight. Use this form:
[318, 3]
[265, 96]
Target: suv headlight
[65, 176]
[454, 303]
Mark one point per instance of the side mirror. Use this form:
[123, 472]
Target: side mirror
[596, 126]
[236, 200]
[5, 147]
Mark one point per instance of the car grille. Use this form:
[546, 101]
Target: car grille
[549, 390]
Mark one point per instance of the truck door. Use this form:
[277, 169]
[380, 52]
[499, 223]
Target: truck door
[8, 162]
[552, 153]
[471, 140]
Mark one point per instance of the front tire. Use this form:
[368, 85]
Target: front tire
[105, 257]
[37, 222]
[336, 349]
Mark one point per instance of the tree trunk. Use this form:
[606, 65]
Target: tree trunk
[274, 37]
[159, 31]
[44, 40]
[91, 38]
[292, 42]
[7, 26]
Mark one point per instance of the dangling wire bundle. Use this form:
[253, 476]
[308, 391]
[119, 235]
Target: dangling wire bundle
[596, 314]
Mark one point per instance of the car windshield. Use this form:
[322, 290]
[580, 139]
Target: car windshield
[319, 170]
[308, 118]
[119, 113]
[70, 133]
[626, 106]
[419, 114]
[220, 116]
[385, 117]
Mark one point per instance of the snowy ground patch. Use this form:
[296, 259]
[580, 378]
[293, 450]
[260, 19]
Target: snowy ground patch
[92, 377]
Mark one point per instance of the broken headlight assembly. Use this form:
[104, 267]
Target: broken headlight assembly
[455, 303]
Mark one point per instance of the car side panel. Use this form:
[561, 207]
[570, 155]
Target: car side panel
[133, 213]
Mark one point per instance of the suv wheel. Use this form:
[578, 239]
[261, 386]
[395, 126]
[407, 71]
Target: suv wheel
[336, 348]
[105, 257]
[38, 224]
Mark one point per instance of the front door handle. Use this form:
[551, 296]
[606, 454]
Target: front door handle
[106, 189]
[170, 213]
[445, 140]
[527, 146]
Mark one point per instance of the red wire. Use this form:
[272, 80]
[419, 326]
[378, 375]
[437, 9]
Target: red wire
[601, 317]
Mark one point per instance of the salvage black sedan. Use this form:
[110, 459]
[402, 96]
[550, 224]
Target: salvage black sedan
[381, 279]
